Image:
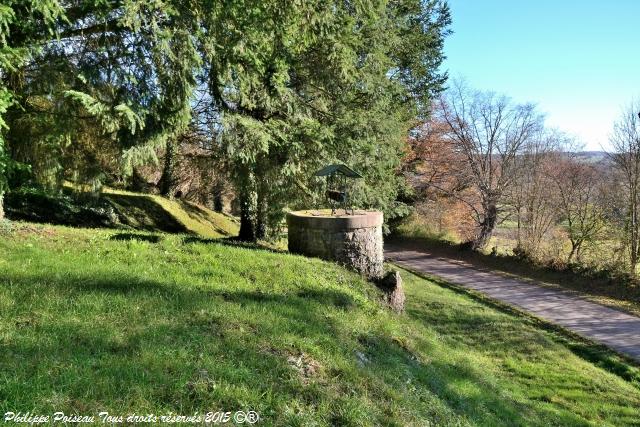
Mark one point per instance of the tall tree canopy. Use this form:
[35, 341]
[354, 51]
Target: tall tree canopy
[94, 85]
[298, 85]
[99, 85]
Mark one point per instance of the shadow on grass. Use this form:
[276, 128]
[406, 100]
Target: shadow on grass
[234, 242]
[135, 236]
[160, 346]
[184, 348]
[143, 213]
[109, 211]
[197, 213]
[170, 357]
[441, 376]
[64, 208]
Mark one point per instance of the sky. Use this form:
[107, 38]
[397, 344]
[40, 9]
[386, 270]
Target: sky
[579, 61]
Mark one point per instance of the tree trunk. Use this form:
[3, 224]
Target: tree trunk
[570, 257]
[247, 231]
[486, 228]
[218, 204]
[261, 220]
[167, 182]
[574, 251]
[1, 206]
[261, 212]
[245, 187]
[579, 253]
[634, 231]
[519, 219]
[634, 254]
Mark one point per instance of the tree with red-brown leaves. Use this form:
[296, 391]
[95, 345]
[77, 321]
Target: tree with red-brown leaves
[445, 200]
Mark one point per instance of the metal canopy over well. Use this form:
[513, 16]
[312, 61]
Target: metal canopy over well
[338, 169]
[337, 188]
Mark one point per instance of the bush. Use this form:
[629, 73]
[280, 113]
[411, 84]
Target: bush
[5, 226]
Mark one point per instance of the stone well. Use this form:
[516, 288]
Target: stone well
[352, 240]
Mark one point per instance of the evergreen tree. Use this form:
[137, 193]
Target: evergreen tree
[291, 85]
[109, 84]
[301, 84]
[22, 24]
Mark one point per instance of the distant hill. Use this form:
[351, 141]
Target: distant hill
[592, 156]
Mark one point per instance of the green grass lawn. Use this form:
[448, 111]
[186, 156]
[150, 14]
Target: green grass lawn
[103, 320]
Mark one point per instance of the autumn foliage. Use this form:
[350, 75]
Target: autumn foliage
[432, 167]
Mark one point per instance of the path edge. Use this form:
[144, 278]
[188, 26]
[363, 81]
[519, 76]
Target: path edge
[585, 348]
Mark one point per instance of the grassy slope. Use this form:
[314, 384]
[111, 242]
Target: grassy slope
[120, 210]
[152, 212]
[91, 322]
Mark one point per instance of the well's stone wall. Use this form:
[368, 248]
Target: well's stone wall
[352, 240]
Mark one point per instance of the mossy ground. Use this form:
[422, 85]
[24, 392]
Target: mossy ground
[119, 209]
[152, 212]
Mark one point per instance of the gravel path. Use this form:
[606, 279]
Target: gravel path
[610, 327]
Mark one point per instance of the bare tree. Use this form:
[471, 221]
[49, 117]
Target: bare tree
[579, 188]
[625, 141]
[490, 132]
[534, 206]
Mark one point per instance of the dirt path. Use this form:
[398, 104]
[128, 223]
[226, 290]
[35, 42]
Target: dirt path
[610, 327]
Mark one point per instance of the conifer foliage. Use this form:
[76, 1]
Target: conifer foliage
[93, 89]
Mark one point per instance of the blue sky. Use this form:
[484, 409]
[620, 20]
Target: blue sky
[579, 61]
